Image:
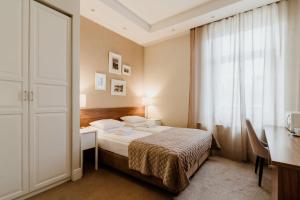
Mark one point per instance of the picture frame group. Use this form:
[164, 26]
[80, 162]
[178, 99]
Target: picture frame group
[118, 87]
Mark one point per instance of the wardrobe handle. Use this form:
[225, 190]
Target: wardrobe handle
[31, 95]
[25, 95]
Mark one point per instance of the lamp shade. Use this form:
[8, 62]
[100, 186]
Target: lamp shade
[82, 100]
[147, 101]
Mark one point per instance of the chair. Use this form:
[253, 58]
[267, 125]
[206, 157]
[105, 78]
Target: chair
[261, 152]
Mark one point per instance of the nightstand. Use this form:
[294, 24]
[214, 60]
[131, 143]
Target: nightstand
[88, 138]
[156, 122]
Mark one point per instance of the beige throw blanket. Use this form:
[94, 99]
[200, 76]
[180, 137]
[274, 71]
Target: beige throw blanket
[169, 155]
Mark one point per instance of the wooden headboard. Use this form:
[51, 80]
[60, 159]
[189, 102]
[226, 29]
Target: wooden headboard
[93, 114]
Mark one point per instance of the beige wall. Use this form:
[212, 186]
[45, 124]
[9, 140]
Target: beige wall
[163, 67]
[95, 44]
[167, 68]
[72, 8]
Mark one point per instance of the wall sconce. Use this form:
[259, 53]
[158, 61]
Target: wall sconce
[82, 100]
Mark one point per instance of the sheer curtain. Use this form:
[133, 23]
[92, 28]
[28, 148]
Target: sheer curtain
[292, 75]
[237, 72]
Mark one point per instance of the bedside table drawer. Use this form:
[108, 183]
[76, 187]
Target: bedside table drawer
[88, 140]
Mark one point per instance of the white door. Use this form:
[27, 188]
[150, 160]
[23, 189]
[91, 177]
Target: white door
[49, 96]
[14, 16]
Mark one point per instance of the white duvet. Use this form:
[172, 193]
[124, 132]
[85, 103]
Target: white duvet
[123, 134]
[153, 129]
[117, 140]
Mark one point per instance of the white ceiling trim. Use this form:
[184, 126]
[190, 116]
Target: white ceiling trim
[181, 17]
[115, 16]
[124, 11]
[191, 13]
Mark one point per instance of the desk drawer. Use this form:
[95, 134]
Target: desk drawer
[88, 140]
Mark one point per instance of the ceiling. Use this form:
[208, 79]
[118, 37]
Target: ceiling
[153, 11]
[147, 22]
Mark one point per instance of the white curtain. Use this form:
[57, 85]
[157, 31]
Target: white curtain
[242, 75]
[292, 75]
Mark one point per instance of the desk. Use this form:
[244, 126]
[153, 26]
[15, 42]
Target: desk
[285, 160]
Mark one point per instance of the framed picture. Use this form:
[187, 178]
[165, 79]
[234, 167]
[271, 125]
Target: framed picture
[100, 81]
[115, 63]
[118, 87]
[126, 70]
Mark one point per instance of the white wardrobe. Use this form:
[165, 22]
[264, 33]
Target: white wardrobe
[35, 91]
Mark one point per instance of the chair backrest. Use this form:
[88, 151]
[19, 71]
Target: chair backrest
[255, 143]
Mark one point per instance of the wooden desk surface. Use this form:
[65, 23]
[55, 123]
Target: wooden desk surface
[284, 148]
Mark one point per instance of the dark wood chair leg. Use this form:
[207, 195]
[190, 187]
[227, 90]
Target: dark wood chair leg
[261, 169]
[256, 163]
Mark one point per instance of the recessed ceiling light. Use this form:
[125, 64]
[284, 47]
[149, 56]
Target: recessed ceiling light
[93, 10]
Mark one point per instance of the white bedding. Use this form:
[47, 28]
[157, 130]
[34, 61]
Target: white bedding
[117, 140]
[153, 129]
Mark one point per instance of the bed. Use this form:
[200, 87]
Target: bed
[124, 149]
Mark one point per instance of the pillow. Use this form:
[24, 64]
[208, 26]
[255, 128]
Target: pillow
[133, 119]
[145, 124]
[106, 124]
[135, 125]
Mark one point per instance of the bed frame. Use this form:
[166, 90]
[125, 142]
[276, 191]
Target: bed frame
[93, 114]
[120, 162]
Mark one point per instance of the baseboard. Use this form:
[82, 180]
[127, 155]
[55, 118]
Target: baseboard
[76, 174]
[31, 194]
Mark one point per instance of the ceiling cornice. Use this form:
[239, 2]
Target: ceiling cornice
[181, 17]
[119, 18]
[125, 12]
[191, 13]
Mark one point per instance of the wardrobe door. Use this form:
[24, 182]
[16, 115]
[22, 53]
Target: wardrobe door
[49, 96]
[14, 16]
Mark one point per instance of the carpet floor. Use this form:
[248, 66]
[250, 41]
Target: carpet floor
[217, 179]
